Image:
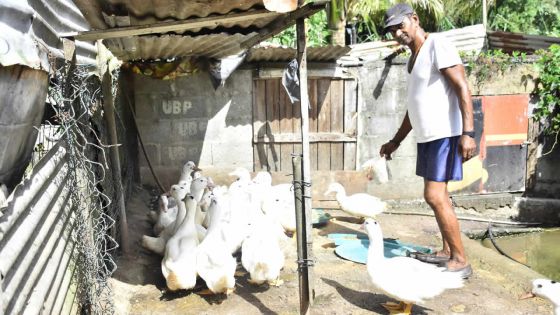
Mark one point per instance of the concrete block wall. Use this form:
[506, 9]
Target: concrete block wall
[186, 119]
[382, 107]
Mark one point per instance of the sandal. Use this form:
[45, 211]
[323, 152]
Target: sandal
[429, 258]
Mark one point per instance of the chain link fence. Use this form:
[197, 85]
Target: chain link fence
[76, 98]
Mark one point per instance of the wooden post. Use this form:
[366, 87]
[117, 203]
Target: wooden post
[109, 108]
[484, 15]
[307, 290]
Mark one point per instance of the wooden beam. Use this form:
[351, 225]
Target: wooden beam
[284, 21]
[336, 72]
[313, 137]
[174, 26]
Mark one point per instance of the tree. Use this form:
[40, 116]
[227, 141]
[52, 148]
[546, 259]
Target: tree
[539, 17]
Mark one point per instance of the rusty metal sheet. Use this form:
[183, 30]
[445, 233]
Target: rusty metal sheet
[509, 42]
[506, 119]
[21, 110]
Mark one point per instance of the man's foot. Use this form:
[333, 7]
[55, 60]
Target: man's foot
[465, 269]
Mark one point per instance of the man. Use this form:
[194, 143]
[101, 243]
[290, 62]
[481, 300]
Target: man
[440, 112]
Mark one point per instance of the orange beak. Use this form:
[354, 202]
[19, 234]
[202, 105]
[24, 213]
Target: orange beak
[526, 295]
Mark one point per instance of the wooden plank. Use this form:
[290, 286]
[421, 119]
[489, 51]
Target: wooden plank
[273, 124]
[286, 127]
[334, 72]
[324, 122]
[315, 137]
[350, 122]
[173, 26]
[259, 125]
[312, 93]
[313, 111]
[337, 123]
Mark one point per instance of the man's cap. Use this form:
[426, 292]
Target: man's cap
[395, 15]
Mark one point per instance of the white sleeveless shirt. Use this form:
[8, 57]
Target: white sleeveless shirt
[433, 105]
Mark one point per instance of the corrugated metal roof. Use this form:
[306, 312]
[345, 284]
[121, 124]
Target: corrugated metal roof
[271, 54]
[170, 46]
[470, 38]
[155, 29]
[509, 42]
[100, 13]
[30, 30]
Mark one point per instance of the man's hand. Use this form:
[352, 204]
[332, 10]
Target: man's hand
[387, 149]
[467, 147]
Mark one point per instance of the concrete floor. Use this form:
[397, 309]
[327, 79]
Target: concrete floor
[341, 286]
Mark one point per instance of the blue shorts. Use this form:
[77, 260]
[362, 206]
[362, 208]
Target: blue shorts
[440, 160]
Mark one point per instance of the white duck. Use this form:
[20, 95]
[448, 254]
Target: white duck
[277, 201]
[214, 261]
[237, 203]
[241, 174]
[198, 188]
[179, 262]
[157, 244]
[403, 278]
[548, 289]
[188, 169]
[167, 213]
[261, 252]
[360, 204]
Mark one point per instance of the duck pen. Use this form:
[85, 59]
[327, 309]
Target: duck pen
[135, 94]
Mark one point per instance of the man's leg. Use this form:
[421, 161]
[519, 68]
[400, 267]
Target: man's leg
[436, 195]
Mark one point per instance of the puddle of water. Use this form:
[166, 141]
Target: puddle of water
[538, 250]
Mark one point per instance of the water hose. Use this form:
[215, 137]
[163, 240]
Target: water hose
[462, 218]
[491, 236]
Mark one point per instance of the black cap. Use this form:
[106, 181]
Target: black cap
[395, 15]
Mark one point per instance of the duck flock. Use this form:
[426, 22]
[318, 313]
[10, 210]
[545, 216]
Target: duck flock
[200, 226]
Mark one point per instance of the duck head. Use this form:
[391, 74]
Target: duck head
[545, 288]
[178, 192]
[334, 187]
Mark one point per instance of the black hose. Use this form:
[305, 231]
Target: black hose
[162, 190]
[491, 236]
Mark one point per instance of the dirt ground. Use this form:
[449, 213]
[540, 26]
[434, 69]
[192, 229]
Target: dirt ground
[341, 286]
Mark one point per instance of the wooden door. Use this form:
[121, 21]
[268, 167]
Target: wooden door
[332, 125]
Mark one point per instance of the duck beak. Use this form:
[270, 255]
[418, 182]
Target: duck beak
[526, 295]
[196, 169]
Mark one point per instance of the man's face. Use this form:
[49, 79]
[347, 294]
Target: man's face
[404, 33]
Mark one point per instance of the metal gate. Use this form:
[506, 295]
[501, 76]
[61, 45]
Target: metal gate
[501, 124]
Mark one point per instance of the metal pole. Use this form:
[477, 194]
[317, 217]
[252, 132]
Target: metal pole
[305, 237]
[301, 234]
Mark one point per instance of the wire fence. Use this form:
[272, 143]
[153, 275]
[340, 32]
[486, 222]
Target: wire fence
[75, 96]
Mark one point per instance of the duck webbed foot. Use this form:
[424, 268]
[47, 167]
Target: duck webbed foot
[278, 282]
[206, 292]
[400, 308]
